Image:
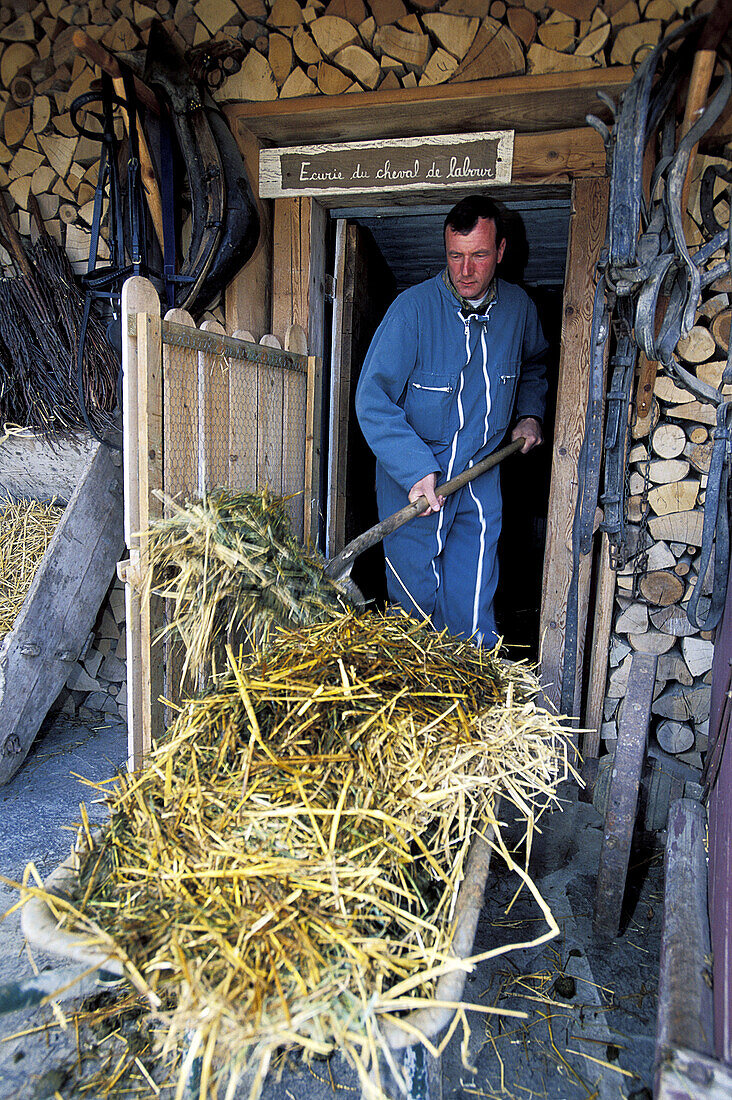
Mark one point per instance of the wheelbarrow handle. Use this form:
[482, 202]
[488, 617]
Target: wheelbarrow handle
[340, 566]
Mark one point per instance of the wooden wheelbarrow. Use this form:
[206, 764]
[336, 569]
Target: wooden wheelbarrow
[93, 969]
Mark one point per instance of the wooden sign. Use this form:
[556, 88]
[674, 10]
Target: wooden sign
[442, 163]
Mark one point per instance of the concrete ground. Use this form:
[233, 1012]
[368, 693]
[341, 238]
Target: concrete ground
[590, 1005]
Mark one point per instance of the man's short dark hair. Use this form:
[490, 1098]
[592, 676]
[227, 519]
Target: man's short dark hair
[464, 216]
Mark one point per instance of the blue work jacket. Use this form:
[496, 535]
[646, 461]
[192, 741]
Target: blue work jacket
[438, 391]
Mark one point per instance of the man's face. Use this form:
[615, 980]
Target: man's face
[472, 258]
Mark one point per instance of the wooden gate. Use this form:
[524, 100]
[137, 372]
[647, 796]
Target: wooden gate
[203, 410]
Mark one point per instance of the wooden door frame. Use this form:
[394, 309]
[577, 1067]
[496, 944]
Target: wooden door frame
[589, 200]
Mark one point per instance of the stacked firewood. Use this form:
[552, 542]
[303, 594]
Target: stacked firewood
[668, 468]
[269, 49]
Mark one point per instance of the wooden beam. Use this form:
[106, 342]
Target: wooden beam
[249, 294]
[551, 101]
[138, 297]
[298, 274]
[685, 1012]
[597, 677]
[586, 237]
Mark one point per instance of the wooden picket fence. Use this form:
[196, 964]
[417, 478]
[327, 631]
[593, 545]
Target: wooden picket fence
[202, 411]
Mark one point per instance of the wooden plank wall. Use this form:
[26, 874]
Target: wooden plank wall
[586, 237]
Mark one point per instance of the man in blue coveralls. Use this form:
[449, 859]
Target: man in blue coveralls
[455, 361]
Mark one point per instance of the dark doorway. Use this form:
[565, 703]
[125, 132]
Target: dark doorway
[397, 247]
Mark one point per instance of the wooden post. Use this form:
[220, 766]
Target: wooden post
[597, 677]
[249, 294]
[684, 986]
[313, 420]
[150, 451]
[586, 236]
[623, 794]
[139, 298]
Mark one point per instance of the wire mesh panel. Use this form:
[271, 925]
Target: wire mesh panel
[235, 415]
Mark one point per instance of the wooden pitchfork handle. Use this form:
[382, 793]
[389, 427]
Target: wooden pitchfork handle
[340, 566]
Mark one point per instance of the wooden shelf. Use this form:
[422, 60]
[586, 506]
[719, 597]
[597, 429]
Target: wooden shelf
[527, 104]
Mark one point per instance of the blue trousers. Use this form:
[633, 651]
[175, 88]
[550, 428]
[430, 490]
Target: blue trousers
[444, 566]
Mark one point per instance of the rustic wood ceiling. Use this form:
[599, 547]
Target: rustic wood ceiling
[410, 238]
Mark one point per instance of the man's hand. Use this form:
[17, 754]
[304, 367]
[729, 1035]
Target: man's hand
[530, 429]
[426, 488]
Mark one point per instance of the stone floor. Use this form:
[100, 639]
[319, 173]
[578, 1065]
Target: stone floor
[590, 1006]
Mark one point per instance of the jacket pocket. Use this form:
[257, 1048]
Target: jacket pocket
[427, 405]
[504, 396]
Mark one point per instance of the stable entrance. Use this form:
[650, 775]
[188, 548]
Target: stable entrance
[374, 253]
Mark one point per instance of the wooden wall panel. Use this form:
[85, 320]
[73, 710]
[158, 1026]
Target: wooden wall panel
[586, 237]
[249, 294]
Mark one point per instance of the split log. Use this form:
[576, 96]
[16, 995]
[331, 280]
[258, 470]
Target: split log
[557, 32]
[634, 41]
[659, 556]
[333, 34]
[41, 113]
[495, 51]
[362, 65]
[542, 60]
[653, 641]
[279, 55]
[674, 736]
[391, 80]
[14, 58]
[285, 13]
[410, 23]
[698, 346]
[455, 33]
[617, 683]
[661, 588]
[297, 84]
[636, 483]
[367, 29]
[695, 410]
[684, 704]
[609, 731]
[682, 527]
[667, 390]
[15, 125]
[721, 329]
[331, 81]
[638, 453]
[352, 10]
[698, 655]
[594, 41]
[59, 152]
[700, 456]
[633, 620]
[413, 50]
[387, 11]
[668, 440]
[255, 81]
[679, 496]
[668, 470]
[711, 372]
[305, 47]
[523, 24]
[671, 666]
[438, 69]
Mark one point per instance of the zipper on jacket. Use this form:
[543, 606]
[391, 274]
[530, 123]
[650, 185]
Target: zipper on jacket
[432, 389]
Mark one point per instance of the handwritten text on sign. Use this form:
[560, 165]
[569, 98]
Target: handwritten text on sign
[440, 163]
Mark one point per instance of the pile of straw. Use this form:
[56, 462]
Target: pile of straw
[283, 872]
[27, 527]
[233, 570]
